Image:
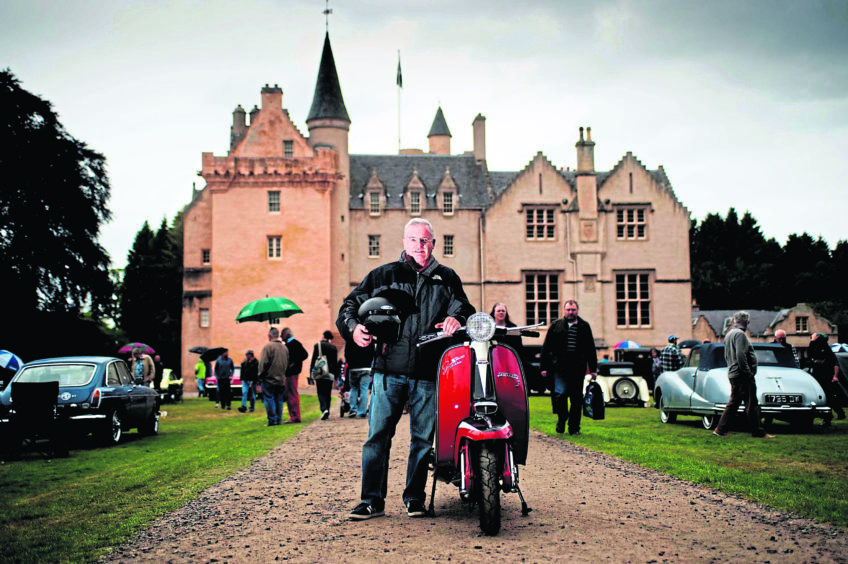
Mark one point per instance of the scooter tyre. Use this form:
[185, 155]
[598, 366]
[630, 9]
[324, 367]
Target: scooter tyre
[490, 491]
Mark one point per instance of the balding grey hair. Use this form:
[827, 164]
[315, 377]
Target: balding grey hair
[274, 333]
[420, 221]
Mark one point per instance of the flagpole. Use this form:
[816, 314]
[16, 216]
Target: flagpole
[399, 81]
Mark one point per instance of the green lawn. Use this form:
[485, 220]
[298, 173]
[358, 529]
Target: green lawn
[67, 510]
[806, 473]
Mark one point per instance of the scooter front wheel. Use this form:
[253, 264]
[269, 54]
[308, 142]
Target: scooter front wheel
[489, 491]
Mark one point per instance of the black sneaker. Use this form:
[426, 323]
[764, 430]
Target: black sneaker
[415, 508]
[560, 427]
[365, 511]
[325, 415]
[243, 409]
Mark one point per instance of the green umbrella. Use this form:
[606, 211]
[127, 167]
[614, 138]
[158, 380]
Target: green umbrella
[268, 309]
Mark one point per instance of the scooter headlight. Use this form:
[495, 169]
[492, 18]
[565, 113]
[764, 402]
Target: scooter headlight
[480, 326]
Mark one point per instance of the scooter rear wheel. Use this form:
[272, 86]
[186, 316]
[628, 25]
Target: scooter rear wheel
[489, 491]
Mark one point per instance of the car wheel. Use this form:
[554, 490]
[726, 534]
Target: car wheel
[665, 416]
[151, 426]
[111, 429]
[625, 389]
[710, 421]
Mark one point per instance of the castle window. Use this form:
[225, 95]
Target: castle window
[802, 324]
[204, 319]
[373, 246]
[275, 247]
[539, 224]
[447, 248]
[288, 148]
[633, 299]
[631, 223]
[541, 297]
[206, 256]
[273, 201]
[447, 203]
[374, 203]
[415, 203]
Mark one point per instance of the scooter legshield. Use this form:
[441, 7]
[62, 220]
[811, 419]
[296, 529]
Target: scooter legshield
[511, 391]
[453, 400]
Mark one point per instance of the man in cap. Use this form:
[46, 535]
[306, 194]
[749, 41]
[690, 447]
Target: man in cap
[671, 358]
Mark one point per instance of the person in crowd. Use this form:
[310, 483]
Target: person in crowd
[297, 354]
[249, 376]
[273, 361]
[568, 352]
[825, 369]
[780, 338]
[501, 315]
[158, 367]
[656, 364]
[224, 370]
[671, 358]
[142, 367]
[324, 383]
[359, 360]
[402, 372]
[200, 374]
[741, 369]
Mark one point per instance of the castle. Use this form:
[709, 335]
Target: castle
[294, 215]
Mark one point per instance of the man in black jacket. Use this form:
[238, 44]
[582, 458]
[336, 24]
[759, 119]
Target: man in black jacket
[402, 372]
[297, 354]
[568, 350]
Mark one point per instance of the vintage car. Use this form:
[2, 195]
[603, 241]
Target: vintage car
[701, 388]
[96, 395]
[171, 387]
[620, 385]
[211, 386]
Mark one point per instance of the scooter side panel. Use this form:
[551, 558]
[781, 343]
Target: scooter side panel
[511, 390]
[453, 399]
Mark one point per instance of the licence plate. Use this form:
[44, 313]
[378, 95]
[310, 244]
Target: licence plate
[783, 399]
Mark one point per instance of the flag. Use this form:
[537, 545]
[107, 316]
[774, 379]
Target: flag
[399, 75]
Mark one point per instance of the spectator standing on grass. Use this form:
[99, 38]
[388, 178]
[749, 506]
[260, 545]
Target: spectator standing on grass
[142, 366]
[273, 361]
[825, 370]
[200, 374]
[741, 370]
[158, 368]
[224, 370]
[780, 338]
[249, 376]
[671, 358]
[568, 350]
[359, 360]
[297, 354]
[324, 384]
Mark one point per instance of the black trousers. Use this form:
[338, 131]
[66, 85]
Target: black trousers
[569, 389]
[225, 394]
[742, 389]
[325, 393]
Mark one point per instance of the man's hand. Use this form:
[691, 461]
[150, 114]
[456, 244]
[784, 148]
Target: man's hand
[593, 376]
[361, 336]
[448, 326]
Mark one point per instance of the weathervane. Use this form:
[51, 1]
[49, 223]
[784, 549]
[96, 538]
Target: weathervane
[327, 11]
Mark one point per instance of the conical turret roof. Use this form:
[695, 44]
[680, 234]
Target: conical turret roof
[327, 101]
[440, 126]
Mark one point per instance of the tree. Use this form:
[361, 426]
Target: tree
[150, 299]
[53, 201]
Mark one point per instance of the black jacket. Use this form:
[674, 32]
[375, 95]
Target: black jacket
[438, 294]
[554, 357]
[329, 350]
[297, 354]
[250, 370]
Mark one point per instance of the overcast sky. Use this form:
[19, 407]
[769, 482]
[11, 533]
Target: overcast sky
[744, 103]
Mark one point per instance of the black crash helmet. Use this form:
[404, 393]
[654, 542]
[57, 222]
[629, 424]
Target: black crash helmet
[381, 318]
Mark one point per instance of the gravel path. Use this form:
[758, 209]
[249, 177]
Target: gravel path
[293, 503]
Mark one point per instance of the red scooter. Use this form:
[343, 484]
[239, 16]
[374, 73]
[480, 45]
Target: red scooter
[482, 423]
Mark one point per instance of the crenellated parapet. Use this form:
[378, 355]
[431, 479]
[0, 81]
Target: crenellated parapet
[319, 172]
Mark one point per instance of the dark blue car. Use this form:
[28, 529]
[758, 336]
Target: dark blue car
[96, 395]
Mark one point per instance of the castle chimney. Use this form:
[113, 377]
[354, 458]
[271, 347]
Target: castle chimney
[479, 125]
[586, 152]
[272, 97]
[239, 127]
[253, 113]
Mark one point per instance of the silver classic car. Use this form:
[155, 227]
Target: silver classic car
[701, 388]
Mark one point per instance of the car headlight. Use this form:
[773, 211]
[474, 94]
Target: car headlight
[480, 326]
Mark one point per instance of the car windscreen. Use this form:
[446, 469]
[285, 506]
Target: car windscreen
[766, 356]
[65, 374]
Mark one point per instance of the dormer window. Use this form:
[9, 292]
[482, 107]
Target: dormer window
[374, 203]
[415, 202]
[375, 194]
[447, 193]
[414, 194]
[288, 148]
[447, 203]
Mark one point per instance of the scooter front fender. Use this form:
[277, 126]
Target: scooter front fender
[467, 432]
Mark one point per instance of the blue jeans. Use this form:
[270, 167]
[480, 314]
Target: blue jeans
[248, 393]
[359, 392]
[200, 382]
[386, 410]
[275, 397]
